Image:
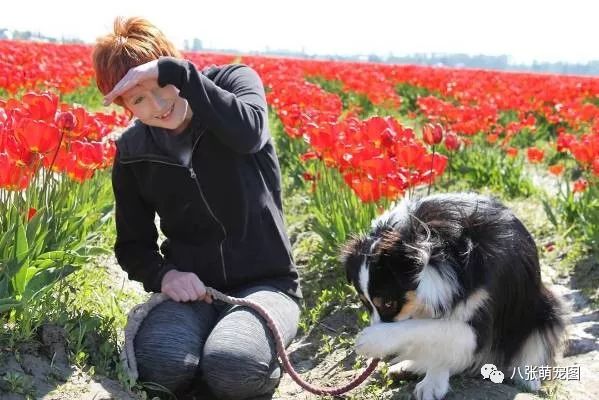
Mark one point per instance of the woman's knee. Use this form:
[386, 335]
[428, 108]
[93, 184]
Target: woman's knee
[168, 345]
[236, 376]
[239, 360]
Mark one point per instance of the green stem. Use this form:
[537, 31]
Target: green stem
[432, 175]
[49, 172]
[451, 166]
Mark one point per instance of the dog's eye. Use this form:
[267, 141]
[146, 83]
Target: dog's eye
[390, 304]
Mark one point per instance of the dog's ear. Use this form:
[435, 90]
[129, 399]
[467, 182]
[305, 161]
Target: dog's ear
[353, 247]
[397, 256]
[391, 242]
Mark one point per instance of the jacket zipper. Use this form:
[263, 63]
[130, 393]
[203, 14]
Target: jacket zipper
[195, 178]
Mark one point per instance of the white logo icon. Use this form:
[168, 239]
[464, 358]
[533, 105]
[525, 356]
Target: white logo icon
[491, 372]
[487, 369]
[496, 376]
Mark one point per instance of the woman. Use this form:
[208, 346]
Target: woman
[199, 154]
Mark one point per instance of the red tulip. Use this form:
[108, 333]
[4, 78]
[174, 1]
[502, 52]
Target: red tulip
[557, 169]
[18, 153]
[41, 106]
[38, 136]
[89, 155]
[12, 176]
[582, 152]
[310, 155]
[492, 138]
[439, 163]
[66, 120]
[80, 174]
[564, 140]
[580, 185]
[109, 151]
[451, 141]
[62, 159]
[535, 155]
[81, 116]
[432, 133]
[410, 155]
[511, 152]
[308, 176]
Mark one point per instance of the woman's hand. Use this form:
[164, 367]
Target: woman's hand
[134, 76]
[184, 286]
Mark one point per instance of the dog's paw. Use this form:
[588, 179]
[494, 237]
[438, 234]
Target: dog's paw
[434, 386]
[404, 370]
[533, 385]
[374, 342]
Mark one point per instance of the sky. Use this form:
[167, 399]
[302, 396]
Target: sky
[524, 30]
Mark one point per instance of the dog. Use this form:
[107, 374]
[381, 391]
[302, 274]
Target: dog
[452, 283]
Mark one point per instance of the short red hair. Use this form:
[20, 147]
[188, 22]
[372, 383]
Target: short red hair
[133, 42]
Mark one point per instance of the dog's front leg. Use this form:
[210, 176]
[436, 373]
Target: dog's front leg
[438, 346]
[434, 386]
[381, 340]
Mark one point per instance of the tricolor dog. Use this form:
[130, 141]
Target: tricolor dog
[452, 283]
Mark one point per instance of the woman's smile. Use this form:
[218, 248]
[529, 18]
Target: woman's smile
[165, 116]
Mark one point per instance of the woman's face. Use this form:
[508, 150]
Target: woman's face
[158, 106]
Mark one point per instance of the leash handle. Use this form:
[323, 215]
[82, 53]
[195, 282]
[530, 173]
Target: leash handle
[320, 390]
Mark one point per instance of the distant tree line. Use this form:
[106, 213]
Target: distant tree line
[450, 60]
[29, 35]
[494, 62]
[461, 61]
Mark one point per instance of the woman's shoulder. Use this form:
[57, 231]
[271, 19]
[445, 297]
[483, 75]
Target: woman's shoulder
[222, 75]
[213, 70]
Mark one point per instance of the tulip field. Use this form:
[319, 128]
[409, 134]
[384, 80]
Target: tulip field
[352, 138]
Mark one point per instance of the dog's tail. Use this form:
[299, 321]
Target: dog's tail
[544, 343]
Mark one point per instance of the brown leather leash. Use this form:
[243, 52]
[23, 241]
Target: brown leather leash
[320, 390]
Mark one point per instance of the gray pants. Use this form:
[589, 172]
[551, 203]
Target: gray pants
[228, 349]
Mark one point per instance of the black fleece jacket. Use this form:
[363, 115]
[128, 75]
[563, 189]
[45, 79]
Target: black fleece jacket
[221, 214]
